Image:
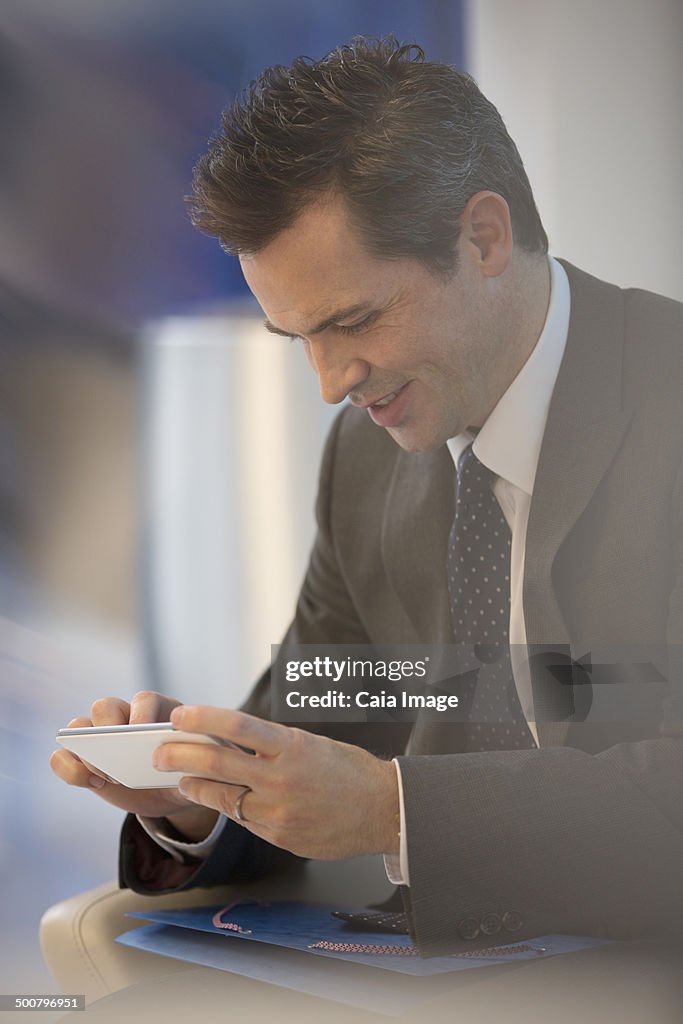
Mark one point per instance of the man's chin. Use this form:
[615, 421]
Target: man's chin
[413, 441]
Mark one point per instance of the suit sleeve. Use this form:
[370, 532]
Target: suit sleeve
[554, 840]
[325, 614]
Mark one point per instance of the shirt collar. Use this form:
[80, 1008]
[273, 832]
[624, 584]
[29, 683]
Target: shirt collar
[509, 442]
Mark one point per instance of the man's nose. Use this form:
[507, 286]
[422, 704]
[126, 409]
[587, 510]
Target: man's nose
[338, 370]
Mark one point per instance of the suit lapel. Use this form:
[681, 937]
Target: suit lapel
[585, 427]
[418, 513]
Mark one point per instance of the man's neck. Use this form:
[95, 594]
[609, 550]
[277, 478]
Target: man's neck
[523, 312]
[534, 288]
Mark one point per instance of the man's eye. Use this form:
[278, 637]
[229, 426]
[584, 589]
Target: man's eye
[357, 328]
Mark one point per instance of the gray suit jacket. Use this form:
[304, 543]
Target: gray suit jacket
[585, 834]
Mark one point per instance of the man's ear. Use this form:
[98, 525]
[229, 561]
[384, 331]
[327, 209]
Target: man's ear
[486, 232]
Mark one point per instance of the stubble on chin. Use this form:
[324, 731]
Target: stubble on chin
[412, 442]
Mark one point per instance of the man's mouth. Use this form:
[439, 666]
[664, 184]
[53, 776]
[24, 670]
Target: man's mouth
[384, 401]
[389, 410]
[377, 403]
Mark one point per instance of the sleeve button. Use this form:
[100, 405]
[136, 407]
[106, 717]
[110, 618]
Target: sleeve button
[468, 929]
[512, 921]
[490, 924]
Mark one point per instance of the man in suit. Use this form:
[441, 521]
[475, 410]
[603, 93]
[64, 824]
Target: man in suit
[382, 214]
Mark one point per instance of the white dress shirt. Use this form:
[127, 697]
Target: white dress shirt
[508, 444]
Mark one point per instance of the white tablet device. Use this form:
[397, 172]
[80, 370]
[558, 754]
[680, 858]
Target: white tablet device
[124, 752]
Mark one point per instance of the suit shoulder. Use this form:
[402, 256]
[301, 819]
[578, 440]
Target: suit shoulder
[653, 344]
[650, 331]
[658, 315]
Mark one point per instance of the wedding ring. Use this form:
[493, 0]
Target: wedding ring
[238, 804]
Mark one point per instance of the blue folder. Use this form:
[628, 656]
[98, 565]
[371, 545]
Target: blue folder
[311, 928]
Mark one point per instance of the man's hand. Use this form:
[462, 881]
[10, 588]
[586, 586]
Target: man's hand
[194, 822]
[309, 794]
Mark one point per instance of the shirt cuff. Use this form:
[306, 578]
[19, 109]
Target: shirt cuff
[396, 866]
[179, 849]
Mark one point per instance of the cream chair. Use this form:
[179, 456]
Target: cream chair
[624, 983]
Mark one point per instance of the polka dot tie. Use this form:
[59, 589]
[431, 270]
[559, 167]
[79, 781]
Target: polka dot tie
[479, 589]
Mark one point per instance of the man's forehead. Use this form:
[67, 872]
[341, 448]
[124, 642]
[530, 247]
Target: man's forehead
[291, 271]
[302, 295]
[324, 224]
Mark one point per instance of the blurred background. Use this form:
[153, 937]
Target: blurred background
[158, 450]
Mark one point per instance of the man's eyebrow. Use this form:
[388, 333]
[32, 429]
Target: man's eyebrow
[329, 321]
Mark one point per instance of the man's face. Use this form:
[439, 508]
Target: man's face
[419, 352]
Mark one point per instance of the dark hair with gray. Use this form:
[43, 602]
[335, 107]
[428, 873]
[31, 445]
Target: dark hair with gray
[406, 141]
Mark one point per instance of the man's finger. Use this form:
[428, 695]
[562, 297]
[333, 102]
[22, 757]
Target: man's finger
[209, 761]
[150, 706]
[83, 723]
[266, 738]
[110, 711]
[71, 769]
[221, 797]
